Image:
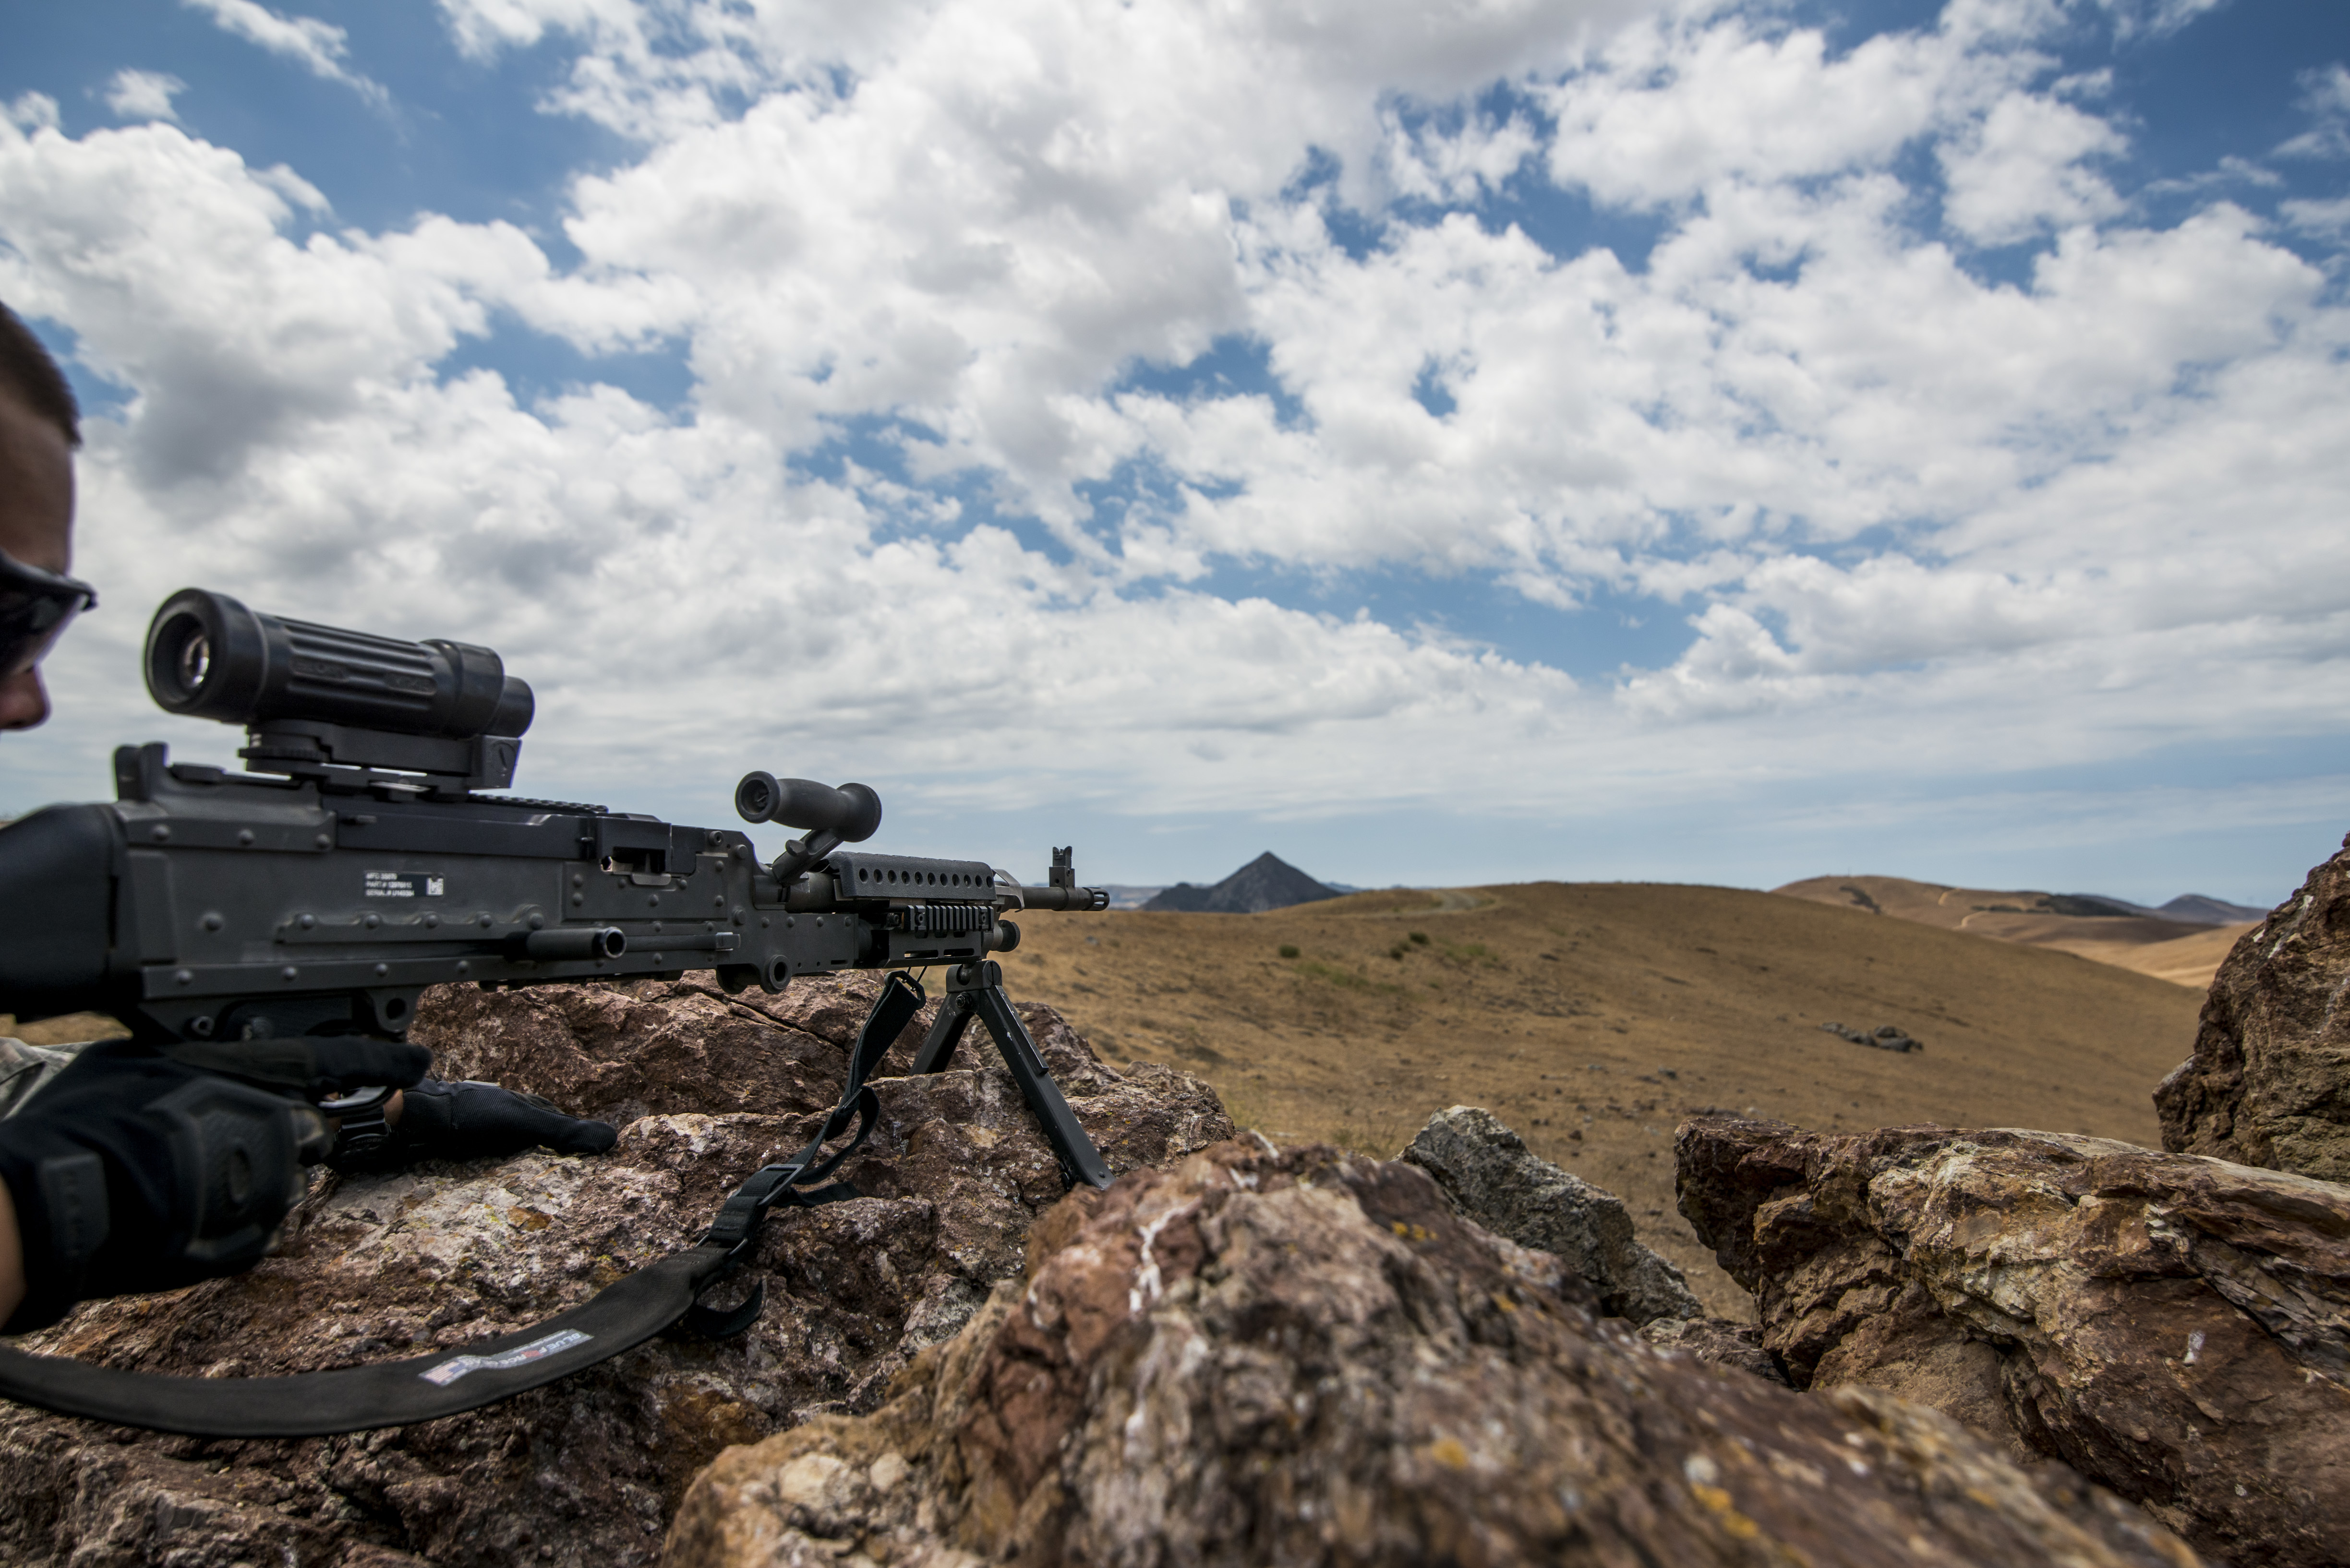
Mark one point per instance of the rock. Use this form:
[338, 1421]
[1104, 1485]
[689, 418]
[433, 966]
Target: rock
[644, 1048]
[1488, 1171]
[2269, 1083]
[588, 1471]
[1718, 1342]
[2176, 1328]
[1306, 1357]
[1885, 1037]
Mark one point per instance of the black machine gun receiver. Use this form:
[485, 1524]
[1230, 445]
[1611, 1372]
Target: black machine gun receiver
[358, 860]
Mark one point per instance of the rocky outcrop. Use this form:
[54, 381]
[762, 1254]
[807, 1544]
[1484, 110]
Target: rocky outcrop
[1884, 1037]
[2270, 1080]
[1305, 1358]
[1489, 1174]
[588, 1471]
[2177, 1328]
[620, 1051]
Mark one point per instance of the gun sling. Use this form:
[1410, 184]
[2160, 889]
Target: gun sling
[658, 1297]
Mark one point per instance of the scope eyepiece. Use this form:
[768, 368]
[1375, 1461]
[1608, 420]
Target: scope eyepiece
[210, 658]
[853, 811]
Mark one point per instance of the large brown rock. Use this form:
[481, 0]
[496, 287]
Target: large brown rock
[1304, 1357]
[2177, 1328]
[588, 1471]
[2270, 1080]
[623, 1051]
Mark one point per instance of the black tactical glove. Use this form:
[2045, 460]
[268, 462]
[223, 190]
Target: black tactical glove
[132, 1170]
[472, 1120]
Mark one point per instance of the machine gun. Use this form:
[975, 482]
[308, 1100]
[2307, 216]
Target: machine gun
[357, 859]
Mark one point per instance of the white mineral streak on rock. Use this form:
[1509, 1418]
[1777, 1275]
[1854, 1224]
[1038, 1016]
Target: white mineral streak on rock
[2042, 1286]
[1146, 1273]
[583, 1474]
[1331, 1376]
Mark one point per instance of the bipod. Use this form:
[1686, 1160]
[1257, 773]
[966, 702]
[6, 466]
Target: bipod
[973, 989]
[976, 990]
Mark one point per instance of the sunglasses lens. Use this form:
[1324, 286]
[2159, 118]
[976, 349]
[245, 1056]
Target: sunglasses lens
[30, 625]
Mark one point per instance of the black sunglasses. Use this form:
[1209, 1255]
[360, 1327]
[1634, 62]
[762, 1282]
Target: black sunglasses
[35, 608]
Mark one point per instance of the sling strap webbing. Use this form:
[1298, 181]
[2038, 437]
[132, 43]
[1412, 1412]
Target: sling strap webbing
[623, 1316]
[389, 1394]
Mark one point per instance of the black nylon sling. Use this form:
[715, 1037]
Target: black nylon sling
[619, 1318]
[622, 1316]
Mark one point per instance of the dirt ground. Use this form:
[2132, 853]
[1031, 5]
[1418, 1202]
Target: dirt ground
[1594, 1017]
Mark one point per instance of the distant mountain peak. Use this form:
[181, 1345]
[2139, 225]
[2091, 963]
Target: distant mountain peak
[1937, 904]
[2202, 909]
[1267, 882]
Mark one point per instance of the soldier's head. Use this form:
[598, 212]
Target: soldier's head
[40, 427]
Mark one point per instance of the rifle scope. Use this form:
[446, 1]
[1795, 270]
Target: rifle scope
[853, 811]
[211, 658]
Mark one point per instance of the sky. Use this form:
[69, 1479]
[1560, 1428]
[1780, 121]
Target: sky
[1441, 442]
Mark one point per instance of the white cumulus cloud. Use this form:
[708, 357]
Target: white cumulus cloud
[319, 47]
[920, 517]
[143, 95]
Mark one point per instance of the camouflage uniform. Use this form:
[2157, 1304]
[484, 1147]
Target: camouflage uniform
[25, 1070]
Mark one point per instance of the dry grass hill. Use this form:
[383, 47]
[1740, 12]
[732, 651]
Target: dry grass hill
[2166, 949]
[1594, 1017]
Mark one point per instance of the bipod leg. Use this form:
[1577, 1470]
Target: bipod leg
[938, 1046]
[977, 989]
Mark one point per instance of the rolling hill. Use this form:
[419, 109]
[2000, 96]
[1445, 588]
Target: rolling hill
[1593, 1017]
[2183, 941]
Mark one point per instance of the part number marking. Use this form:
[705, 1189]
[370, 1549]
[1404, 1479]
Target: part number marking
[405, 885]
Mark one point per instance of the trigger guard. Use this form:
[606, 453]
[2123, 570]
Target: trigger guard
[362, 1131]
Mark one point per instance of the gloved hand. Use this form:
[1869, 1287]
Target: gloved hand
[471, 1120]
[131, 1171]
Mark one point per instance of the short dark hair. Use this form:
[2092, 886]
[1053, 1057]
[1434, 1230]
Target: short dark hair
[29, 370]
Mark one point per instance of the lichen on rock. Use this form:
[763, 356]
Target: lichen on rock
[1300, 1357]
[1488, 1171]
[2173, 1327]
[2269, 1083]
[586, 1472]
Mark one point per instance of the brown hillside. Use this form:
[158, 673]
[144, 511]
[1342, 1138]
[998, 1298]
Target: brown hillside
[2190, 961]
[2169, 949]
[1594, 1017]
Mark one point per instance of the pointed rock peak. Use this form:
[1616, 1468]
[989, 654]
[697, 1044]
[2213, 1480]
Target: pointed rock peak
[1267, 882]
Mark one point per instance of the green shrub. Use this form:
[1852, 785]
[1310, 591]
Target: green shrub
[1287, 951]
[1420, 937]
